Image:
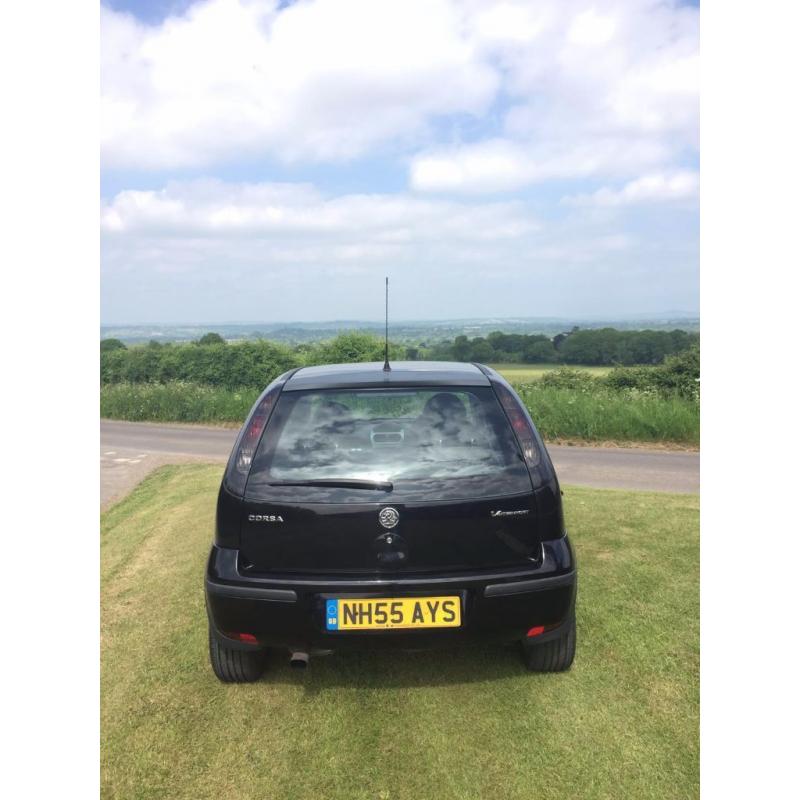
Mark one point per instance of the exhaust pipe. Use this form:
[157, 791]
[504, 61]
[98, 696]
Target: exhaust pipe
[298, 660]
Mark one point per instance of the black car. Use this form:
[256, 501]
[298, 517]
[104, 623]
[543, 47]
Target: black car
[404, 507]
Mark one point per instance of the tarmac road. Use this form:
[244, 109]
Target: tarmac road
[129, 450]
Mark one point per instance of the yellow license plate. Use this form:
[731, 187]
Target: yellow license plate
[350, 614]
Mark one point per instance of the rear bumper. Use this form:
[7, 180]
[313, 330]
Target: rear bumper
[289, 611]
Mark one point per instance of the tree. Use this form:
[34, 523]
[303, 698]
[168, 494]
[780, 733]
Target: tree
[461, 348]
[109, 345]
[539, 351]
[481, 350]
[560, 338]
[210, 338]
[354, 346]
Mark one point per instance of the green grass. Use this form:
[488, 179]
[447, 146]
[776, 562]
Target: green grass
[524, 373]
[605, 415]
[175, 402]
[594, 415]
[467, 723]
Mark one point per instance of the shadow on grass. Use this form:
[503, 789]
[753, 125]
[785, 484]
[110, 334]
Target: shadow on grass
[398, 669]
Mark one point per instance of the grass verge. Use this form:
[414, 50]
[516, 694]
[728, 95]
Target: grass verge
[575, 414]
[175, 402]
[624, 416]
[462, 723]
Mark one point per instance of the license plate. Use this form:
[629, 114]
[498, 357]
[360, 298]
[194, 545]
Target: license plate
[351, 614]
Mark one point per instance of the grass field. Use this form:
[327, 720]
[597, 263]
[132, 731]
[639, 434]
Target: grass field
[524, 373]
[470, 723]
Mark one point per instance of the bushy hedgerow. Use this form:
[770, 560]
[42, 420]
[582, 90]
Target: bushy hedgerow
[231, 366]
[568, 378]
[678, 375]
[108, 345]
[347, 348]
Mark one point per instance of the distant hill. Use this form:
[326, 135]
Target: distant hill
[400, 331]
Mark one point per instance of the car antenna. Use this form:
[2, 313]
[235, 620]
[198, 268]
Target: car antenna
[386, 367]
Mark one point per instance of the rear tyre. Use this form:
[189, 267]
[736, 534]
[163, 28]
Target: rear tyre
[234, 666]
[556, 655]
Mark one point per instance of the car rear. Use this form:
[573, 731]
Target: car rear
[403, 510]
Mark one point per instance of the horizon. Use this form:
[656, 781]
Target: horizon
[668, 314]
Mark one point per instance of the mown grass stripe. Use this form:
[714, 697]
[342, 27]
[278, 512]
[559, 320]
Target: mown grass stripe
[451, 724]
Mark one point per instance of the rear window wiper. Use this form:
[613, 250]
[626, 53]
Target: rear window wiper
[344, 483]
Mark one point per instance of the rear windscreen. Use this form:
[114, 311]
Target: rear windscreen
[429, 443]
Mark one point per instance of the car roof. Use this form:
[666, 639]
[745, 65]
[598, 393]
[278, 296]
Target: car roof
[372, 375]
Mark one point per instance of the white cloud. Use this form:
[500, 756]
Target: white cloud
[653, 188]
[321, 80]
[214, 250]
[591, 28]
[286, 212]
[474, 96]
[223, 245]
[572, 85]
[499, 24]
[608, 90]
[503, 165]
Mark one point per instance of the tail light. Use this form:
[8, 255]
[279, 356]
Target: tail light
[521, 425]
[248, 638]
[245, 448]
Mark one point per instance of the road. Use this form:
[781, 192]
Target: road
[129, 450]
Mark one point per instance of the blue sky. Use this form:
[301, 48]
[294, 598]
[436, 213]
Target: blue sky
[273, 161]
